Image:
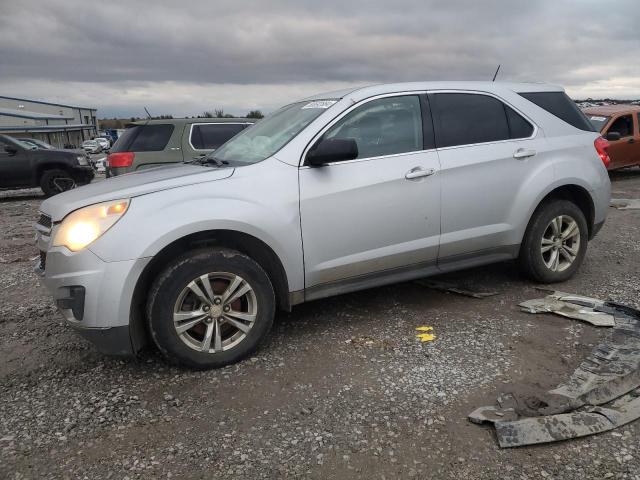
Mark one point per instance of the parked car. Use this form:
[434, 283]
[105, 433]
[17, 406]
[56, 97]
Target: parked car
[620, 124]
[91, 146]
[331, 194]
[23, 165]
[100, 165]
[105, 144]
[37, 143]
[154, 143]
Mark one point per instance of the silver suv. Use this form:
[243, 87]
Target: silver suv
[335, 193]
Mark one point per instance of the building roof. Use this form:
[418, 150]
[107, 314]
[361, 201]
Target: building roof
[11, 112]
[48, 103]
[612, 109]
[46, 128]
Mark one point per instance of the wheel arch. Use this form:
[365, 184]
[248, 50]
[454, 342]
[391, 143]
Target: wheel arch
[577, 194]
[245, 243]
[40, 169]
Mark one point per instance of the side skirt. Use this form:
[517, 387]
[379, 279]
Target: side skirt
[405, 274]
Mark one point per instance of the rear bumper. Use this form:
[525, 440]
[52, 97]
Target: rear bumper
[114, 172]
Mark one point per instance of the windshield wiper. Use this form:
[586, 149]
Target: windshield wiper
[206, 160]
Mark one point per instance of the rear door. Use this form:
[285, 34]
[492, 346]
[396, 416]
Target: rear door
[623, 152]
[200, 139]
[380, 212]
[487, 150]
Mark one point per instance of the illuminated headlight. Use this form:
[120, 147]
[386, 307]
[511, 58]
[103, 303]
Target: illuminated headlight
[80, 228]
[82, 160]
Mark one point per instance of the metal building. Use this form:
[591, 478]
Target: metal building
[57, 124]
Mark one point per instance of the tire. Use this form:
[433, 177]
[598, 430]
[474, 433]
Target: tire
[56, 181]
[173, 302]
[539, 265]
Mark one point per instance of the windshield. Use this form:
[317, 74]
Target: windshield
[597, 121]
[272, 133]
[41, 144]
[26, 144]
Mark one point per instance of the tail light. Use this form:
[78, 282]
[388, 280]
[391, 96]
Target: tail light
[602, 147]
[120, 159]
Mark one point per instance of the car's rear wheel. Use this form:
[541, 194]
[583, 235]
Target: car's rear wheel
[210, 308]
[56, 181]
[555, 242]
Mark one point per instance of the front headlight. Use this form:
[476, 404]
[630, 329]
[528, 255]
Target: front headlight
[80, 228]
[82, 160]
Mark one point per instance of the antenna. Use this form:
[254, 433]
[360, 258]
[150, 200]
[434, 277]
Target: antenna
[494, 75]
[149, 115]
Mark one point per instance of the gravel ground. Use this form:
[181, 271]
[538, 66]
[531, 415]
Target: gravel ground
[342, 389]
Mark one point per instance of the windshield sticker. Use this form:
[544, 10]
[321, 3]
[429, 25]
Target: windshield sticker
[598, 119]
[320, 104]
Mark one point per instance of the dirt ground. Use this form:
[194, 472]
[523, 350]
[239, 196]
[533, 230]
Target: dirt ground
[341, 389]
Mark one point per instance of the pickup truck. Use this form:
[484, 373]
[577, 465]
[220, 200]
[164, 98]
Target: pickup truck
[23, 165]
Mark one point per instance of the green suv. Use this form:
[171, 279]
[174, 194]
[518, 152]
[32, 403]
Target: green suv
[153, 143]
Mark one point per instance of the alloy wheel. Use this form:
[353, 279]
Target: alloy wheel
[215, 312]
[560, 243]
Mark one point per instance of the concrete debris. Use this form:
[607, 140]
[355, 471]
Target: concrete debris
[602, 393]
[571, 306]
[625, 203]
[451, 288]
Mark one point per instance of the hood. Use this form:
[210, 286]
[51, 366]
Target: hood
[129, 186]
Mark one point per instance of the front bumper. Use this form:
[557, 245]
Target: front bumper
[83, 174]
[94, 296]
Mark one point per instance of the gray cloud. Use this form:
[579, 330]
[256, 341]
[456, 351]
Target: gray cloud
[159, 50]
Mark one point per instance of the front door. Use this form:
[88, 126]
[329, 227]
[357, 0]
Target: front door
[380, 213]
[15, 166]
[623, 152]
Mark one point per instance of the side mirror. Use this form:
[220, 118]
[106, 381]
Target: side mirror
[332, 150]
[10, 150]
[613, 136]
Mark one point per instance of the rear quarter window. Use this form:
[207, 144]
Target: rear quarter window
[211, 136]
[144, 138]
[560, 105]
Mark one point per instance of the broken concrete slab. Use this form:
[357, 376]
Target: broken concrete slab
[571, 306]
[452, 288]
[601, 394]
[625, 203]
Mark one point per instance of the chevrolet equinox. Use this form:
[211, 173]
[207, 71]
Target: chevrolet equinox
[338, 192]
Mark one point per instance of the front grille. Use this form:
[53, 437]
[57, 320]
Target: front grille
[43, 260]
[45, 221]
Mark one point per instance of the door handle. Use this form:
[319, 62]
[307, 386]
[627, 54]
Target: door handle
[419, 172]
[523, 153]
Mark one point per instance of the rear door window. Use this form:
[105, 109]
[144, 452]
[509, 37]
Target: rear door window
[560, 105]
[622, 125]
[144, 138]
[210, 136]
[466, 118]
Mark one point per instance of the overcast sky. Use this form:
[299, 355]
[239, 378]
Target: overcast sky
[184, 57]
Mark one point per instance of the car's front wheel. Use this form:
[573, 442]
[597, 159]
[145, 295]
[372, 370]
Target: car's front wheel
[56, 181]
[555, 242]
[210, 308]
